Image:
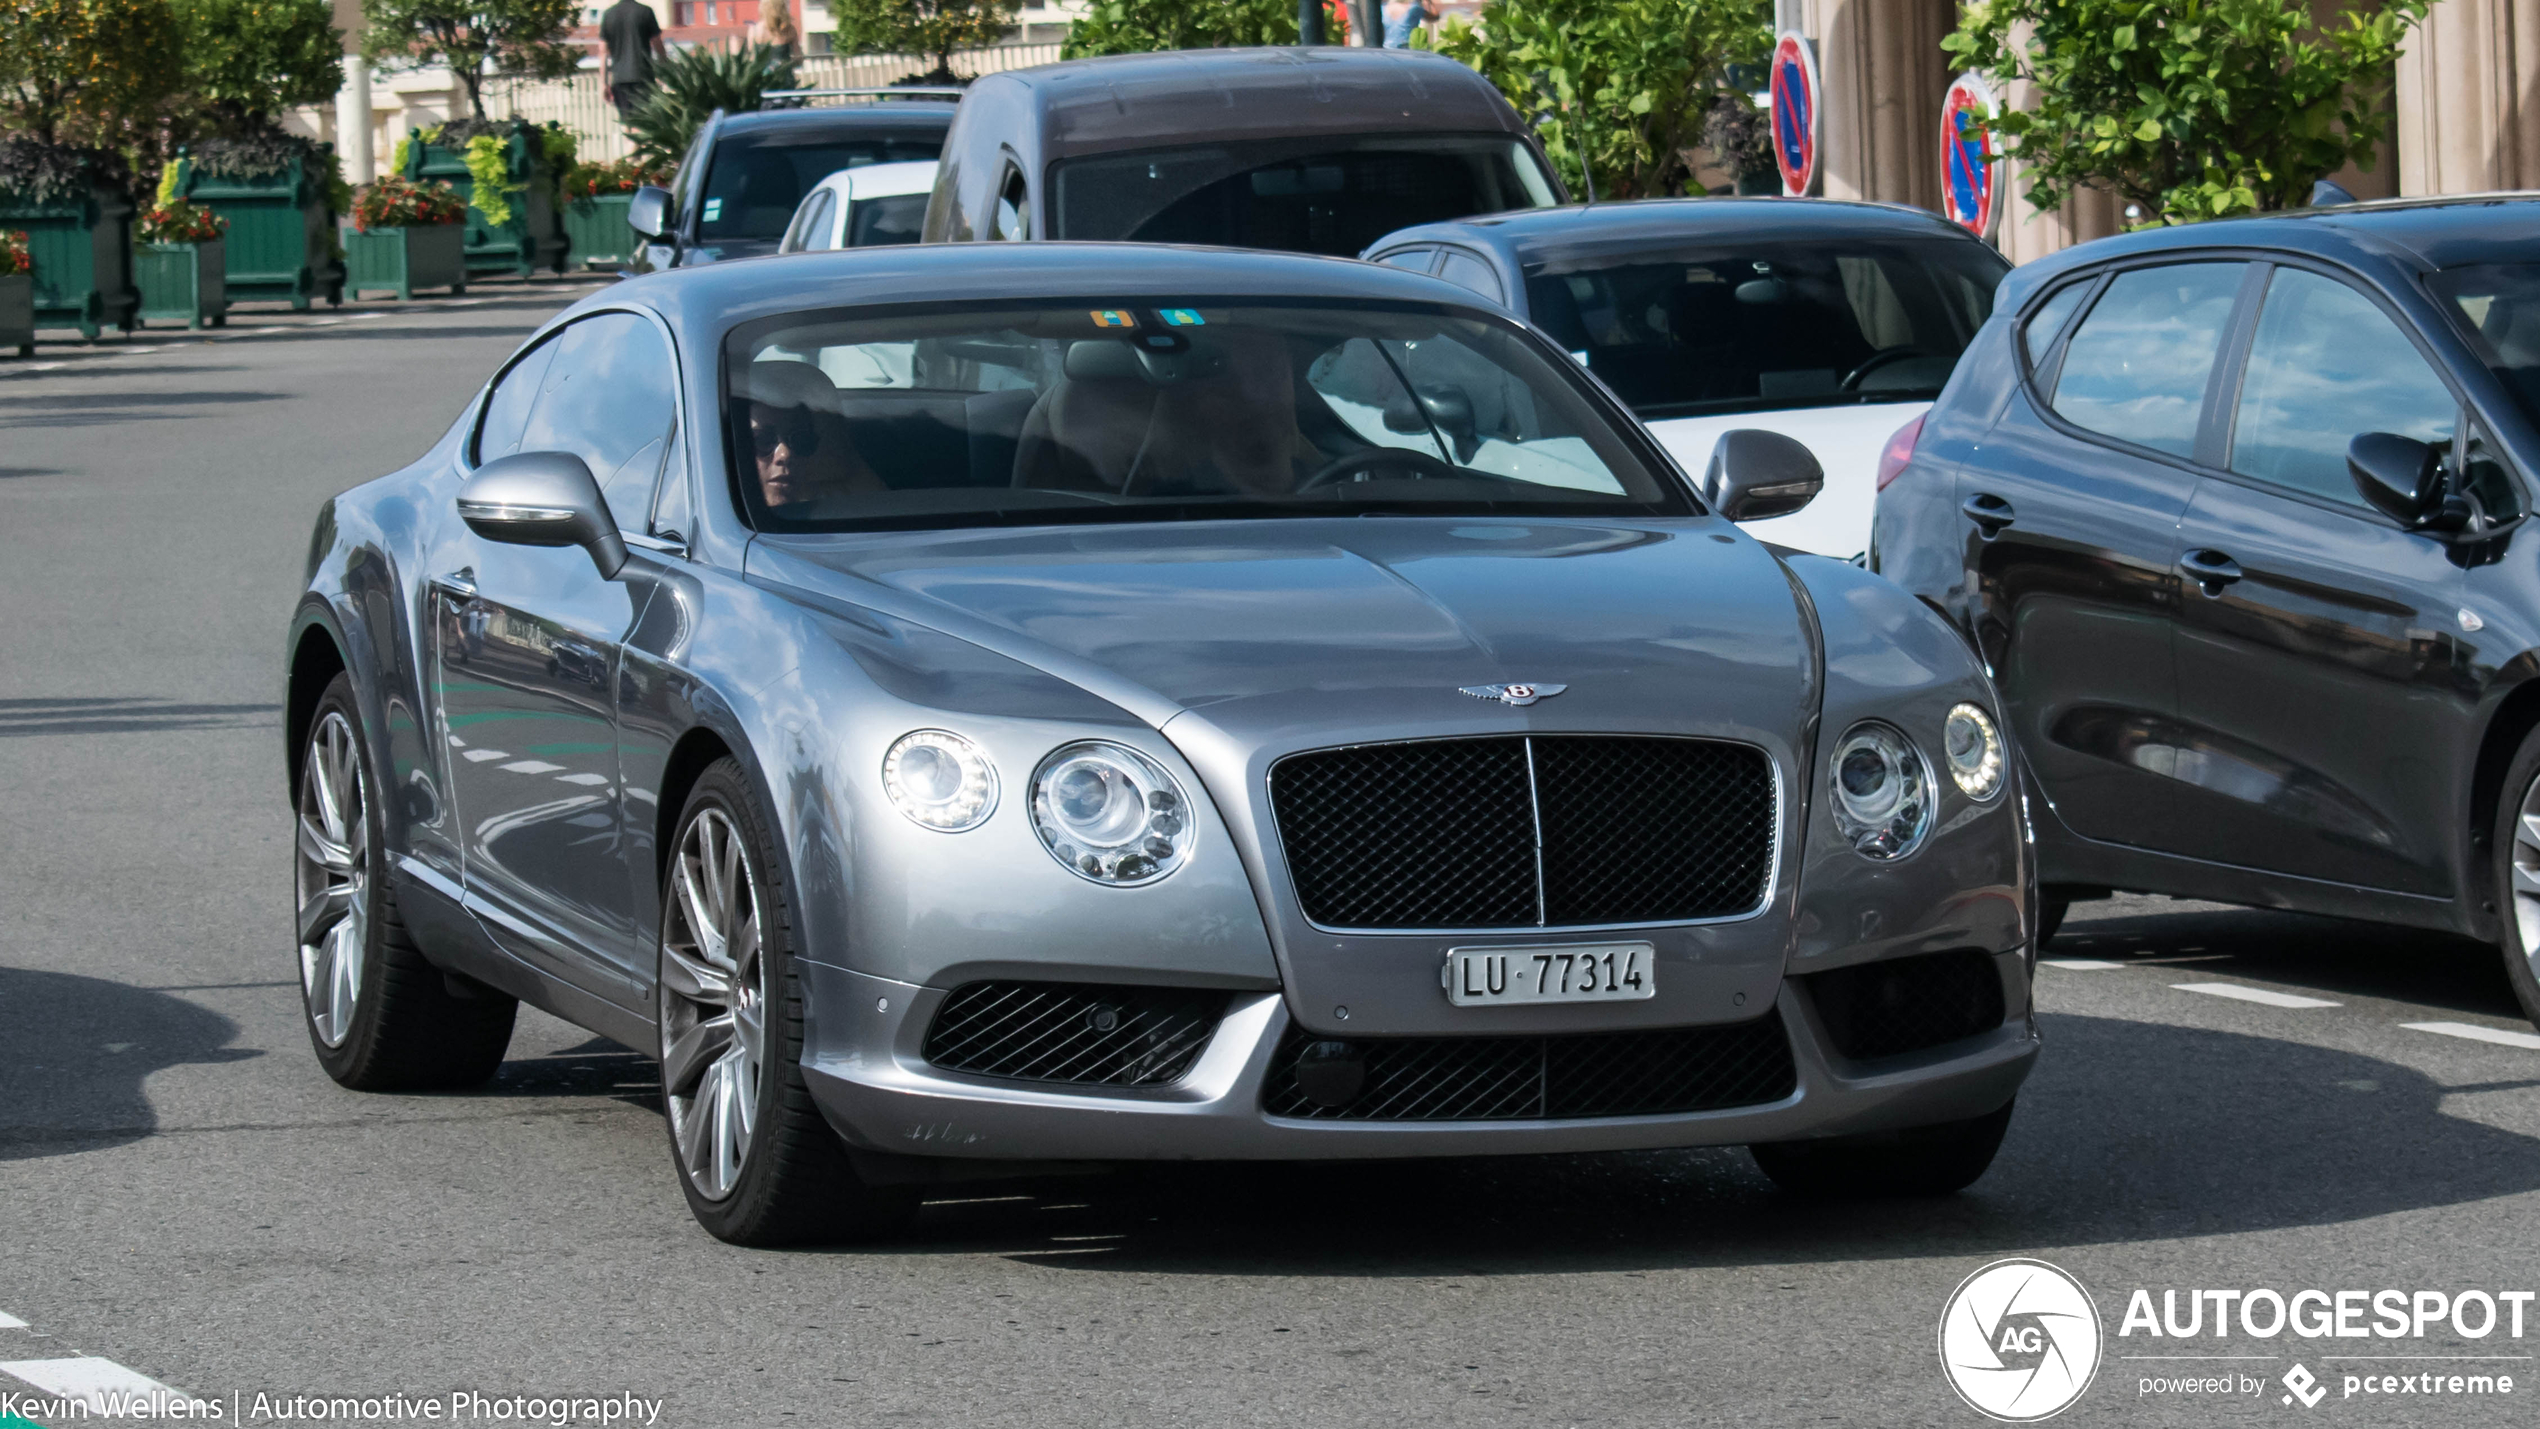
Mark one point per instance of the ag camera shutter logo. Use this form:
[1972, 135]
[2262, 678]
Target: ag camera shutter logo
[2020, 1341]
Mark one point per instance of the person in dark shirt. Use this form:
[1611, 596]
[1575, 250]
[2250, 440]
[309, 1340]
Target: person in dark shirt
[632, 37]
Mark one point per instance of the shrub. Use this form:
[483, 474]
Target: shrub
[14, 255]
[522, 37]
[689, 85]
[921, 27]
[89, 71]
[39, 172]
[249, 60]
[174, 220]
[621, 177]
[395, 202]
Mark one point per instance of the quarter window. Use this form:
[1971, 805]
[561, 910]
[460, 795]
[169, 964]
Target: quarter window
[1013, 218]
[1415, 259]
[2326, 366]
[2136, 368]
[2048, 323]
[507, 409]
[609, 398]
[1466, 271]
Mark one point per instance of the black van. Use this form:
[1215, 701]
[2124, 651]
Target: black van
[744, 173]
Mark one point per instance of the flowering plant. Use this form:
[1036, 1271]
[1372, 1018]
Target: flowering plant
[393, 202]
[176, 221]
[14, 258]
[619, 177]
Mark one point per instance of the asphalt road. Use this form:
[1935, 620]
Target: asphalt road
[183, 1193]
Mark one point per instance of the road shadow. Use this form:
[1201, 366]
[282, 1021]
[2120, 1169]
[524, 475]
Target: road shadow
[2329, 955]
[74, 1052]
[597, 1068]
[126, 714]
[2123, 1136]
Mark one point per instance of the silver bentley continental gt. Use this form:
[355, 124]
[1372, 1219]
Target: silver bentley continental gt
[1109, 703]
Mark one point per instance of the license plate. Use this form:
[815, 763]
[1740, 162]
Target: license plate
[1571, 972]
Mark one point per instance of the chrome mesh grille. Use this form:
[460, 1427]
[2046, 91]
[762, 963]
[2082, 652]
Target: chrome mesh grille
[1512, 832]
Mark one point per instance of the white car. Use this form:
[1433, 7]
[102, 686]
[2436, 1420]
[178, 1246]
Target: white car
[1831, 323]
[868, 206]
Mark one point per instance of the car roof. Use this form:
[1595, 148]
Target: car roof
[840, 119]
[1537, 235]
[915, 176]
[704, 301]
[1201, 96]
[2419, 233]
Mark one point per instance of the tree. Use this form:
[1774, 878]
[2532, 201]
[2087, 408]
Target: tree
[1626, 83]
[523, 37]
[248, 60]
[921, 27]
[688, 85]
[88, 71]
[2189, 109]
[1129, 27]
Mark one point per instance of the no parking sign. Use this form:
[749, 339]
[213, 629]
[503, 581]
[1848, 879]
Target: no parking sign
[1971, 167]
[1795, 94]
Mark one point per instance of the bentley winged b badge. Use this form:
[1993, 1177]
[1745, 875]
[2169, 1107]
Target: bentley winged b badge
[1513, 694]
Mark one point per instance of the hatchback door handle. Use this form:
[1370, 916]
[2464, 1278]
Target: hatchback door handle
[1990, 513]
[2211, 570]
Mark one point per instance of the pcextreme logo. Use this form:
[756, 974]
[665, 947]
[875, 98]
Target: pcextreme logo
[2019, 1341]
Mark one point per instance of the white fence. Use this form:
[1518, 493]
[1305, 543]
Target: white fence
[581, 103]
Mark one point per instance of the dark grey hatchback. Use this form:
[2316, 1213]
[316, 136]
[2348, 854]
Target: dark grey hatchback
[2234, 514]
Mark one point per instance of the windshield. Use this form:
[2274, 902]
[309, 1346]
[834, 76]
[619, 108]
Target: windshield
[2497, 307]
[1105, 410]
[757, 180]
[1721, 329]
[894, 218]
[1299, 195]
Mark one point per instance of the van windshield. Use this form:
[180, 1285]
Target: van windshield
[758, 179]
[1107, 409]
[1696, 329]
[1298, 195]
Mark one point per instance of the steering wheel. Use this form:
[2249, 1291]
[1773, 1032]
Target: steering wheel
[1875, 361]
[1410, 461]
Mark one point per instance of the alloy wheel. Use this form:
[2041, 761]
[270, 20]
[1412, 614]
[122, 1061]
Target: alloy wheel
[2526, 874]
[713, 1003]
[331, 877]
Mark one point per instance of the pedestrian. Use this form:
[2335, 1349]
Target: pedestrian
[1401, 19]
[632, 36]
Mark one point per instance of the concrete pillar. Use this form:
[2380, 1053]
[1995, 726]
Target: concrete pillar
[1883, 71]
[353, 123]
[2469, 99]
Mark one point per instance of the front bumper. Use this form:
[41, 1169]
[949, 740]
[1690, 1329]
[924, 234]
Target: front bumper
[862, 1064]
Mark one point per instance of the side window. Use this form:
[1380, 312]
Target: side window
[1466, 271]
[2325, 367]
[1415, 259]
[2136, 367]
[1013, 216]
[2047, 324]
[610, 399]
[507, 410]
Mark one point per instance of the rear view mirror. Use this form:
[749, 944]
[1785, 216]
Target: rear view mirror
[543, 499]
[1449, 409]
[649, 213]
[1757, 474]
[2404, 479]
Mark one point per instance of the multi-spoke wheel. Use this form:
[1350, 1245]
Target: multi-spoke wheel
[380, 1016]
[2517, 851]
[757, 1163]
[713, 1003]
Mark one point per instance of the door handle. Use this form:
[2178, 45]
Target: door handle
[2211, 570]
[1990, 513]
[461, 582]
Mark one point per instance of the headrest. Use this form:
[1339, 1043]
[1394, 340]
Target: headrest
[782, 382]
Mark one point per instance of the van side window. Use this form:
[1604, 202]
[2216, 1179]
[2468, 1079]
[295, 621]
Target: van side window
[2136, 367]
[1013, 216]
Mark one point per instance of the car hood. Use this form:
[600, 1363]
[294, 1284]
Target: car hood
[1847, 442]
[1289, 632]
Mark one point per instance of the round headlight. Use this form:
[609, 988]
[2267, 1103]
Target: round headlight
[1973, 748]
[940, 780]
[1882, 791]
[1110, 814]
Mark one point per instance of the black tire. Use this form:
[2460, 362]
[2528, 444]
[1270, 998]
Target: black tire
[410, 1027]
[1885, 1165]
[2517, 914]
[793, 1182]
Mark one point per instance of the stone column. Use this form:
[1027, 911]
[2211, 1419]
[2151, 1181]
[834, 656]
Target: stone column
[2469, 99]
[1883, 73]
[353, 117]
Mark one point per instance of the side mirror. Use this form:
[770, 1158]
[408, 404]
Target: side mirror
[2404, 479]
[1757, 474]
[543, 499]
[650, 213]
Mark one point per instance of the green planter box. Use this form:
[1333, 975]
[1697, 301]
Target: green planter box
[183, 283]
[533, 237]
[596, 235]
[401, 260]
[281, 232]
[17, 313]
[83, 259]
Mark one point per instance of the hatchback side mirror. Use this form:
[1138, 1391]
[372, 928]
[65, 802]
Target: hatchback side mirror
[2404, 479]
[543, 499]
[649, 213]
[1758, 474]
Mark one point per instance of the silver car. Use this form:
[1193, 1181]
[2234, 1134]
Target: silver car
[1151, 703]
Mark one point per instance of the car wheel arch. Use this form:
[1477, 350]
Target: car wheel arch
[317, 657]
[2515, 717]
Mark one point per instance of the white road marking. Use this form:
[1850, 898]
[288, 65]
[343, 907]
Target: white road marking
[2252, 994]
[2474, 1033]
[10, 1322]
[86, 1376]
[585, 780]
[530, 766]
[2081, 965]
[479, 756]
